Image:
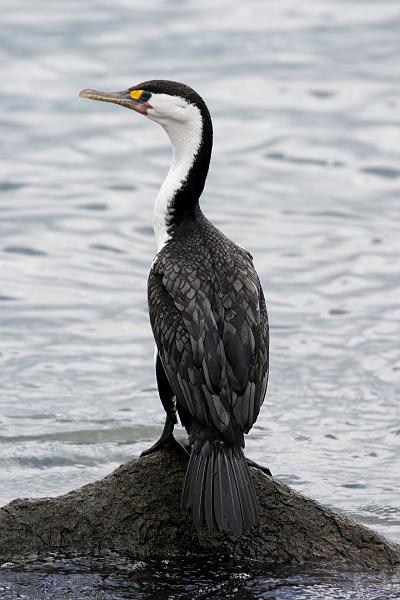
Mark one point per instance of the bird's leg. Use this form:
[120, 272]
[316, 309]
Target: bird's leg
[167, 439]
[252, 463]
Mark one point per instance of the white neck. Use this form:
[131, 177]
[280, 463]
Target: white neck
[185, 138]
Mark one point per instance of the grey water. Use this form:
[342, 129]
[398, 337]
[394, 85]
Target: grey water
[305, 98]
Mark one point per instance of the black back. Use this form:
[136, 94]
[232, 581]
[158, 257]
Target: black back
[210, 324]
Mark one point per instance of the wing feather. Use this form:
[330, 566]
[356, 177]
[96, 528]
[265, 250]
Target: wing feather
[210, 324]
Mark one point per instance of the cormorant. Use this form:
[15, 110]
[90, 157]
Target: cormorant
[208, 316]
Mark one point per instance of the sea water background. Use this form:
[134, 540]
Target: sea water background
[305, 174]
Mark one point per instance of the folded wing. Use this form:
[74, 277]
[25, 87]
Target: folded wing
[212, 335]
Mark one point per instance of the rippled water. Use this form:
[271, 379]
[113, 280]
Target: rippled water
[305, 99]
[113, 577]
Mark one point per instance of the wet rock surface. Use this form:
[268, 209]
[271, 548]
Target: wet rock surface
[136, 510]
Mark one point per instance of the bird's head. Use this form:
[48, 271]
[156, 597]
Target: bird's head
[166, 102]
[185, 117]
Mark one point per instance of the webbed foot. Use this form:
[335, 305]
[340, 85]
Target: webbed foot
[167, 440]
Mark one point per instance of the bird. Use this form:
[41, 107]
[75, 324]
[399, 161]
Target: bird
[208, 316]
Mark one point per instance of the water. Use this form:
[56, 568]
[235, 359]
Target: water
[114, 577]
[305, 173]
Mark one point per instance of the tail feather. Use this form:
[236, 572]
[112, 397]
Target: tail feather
[204, 498]
[231, 490]
[251, 510]
[194, 476]
[243, 498]
[218, 490]
[199, 484]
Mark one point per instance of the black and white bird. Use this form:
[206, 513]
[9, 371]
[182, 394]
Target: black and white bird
[208, 316]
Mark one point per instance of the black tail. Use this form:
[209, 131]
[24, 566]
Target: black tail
[218, 489]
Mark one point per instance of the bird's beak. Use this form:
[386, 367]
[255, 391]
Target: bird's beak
[122, 98]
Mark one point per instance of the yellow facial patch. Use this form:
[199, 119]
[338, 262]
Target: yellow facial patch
[136, 94]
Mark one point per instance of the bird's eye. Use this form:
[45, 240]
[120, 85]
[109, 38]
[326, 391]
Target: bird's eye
[140, 95]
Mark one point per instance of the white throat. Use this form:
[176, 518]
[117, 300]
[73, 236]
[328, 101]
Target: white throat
[185, 138]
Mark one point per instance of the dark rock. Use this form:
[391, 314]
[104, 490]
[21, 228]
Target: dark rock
[136, 510]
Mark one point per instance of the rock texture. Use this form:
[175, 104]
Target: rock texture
[136, 510]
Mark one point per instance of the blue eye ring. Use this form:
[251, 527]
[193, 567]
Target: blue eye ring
[145, 96]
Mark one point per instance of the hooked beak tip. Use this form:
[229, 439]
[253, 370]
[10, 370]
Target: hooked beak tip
[86, 93]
